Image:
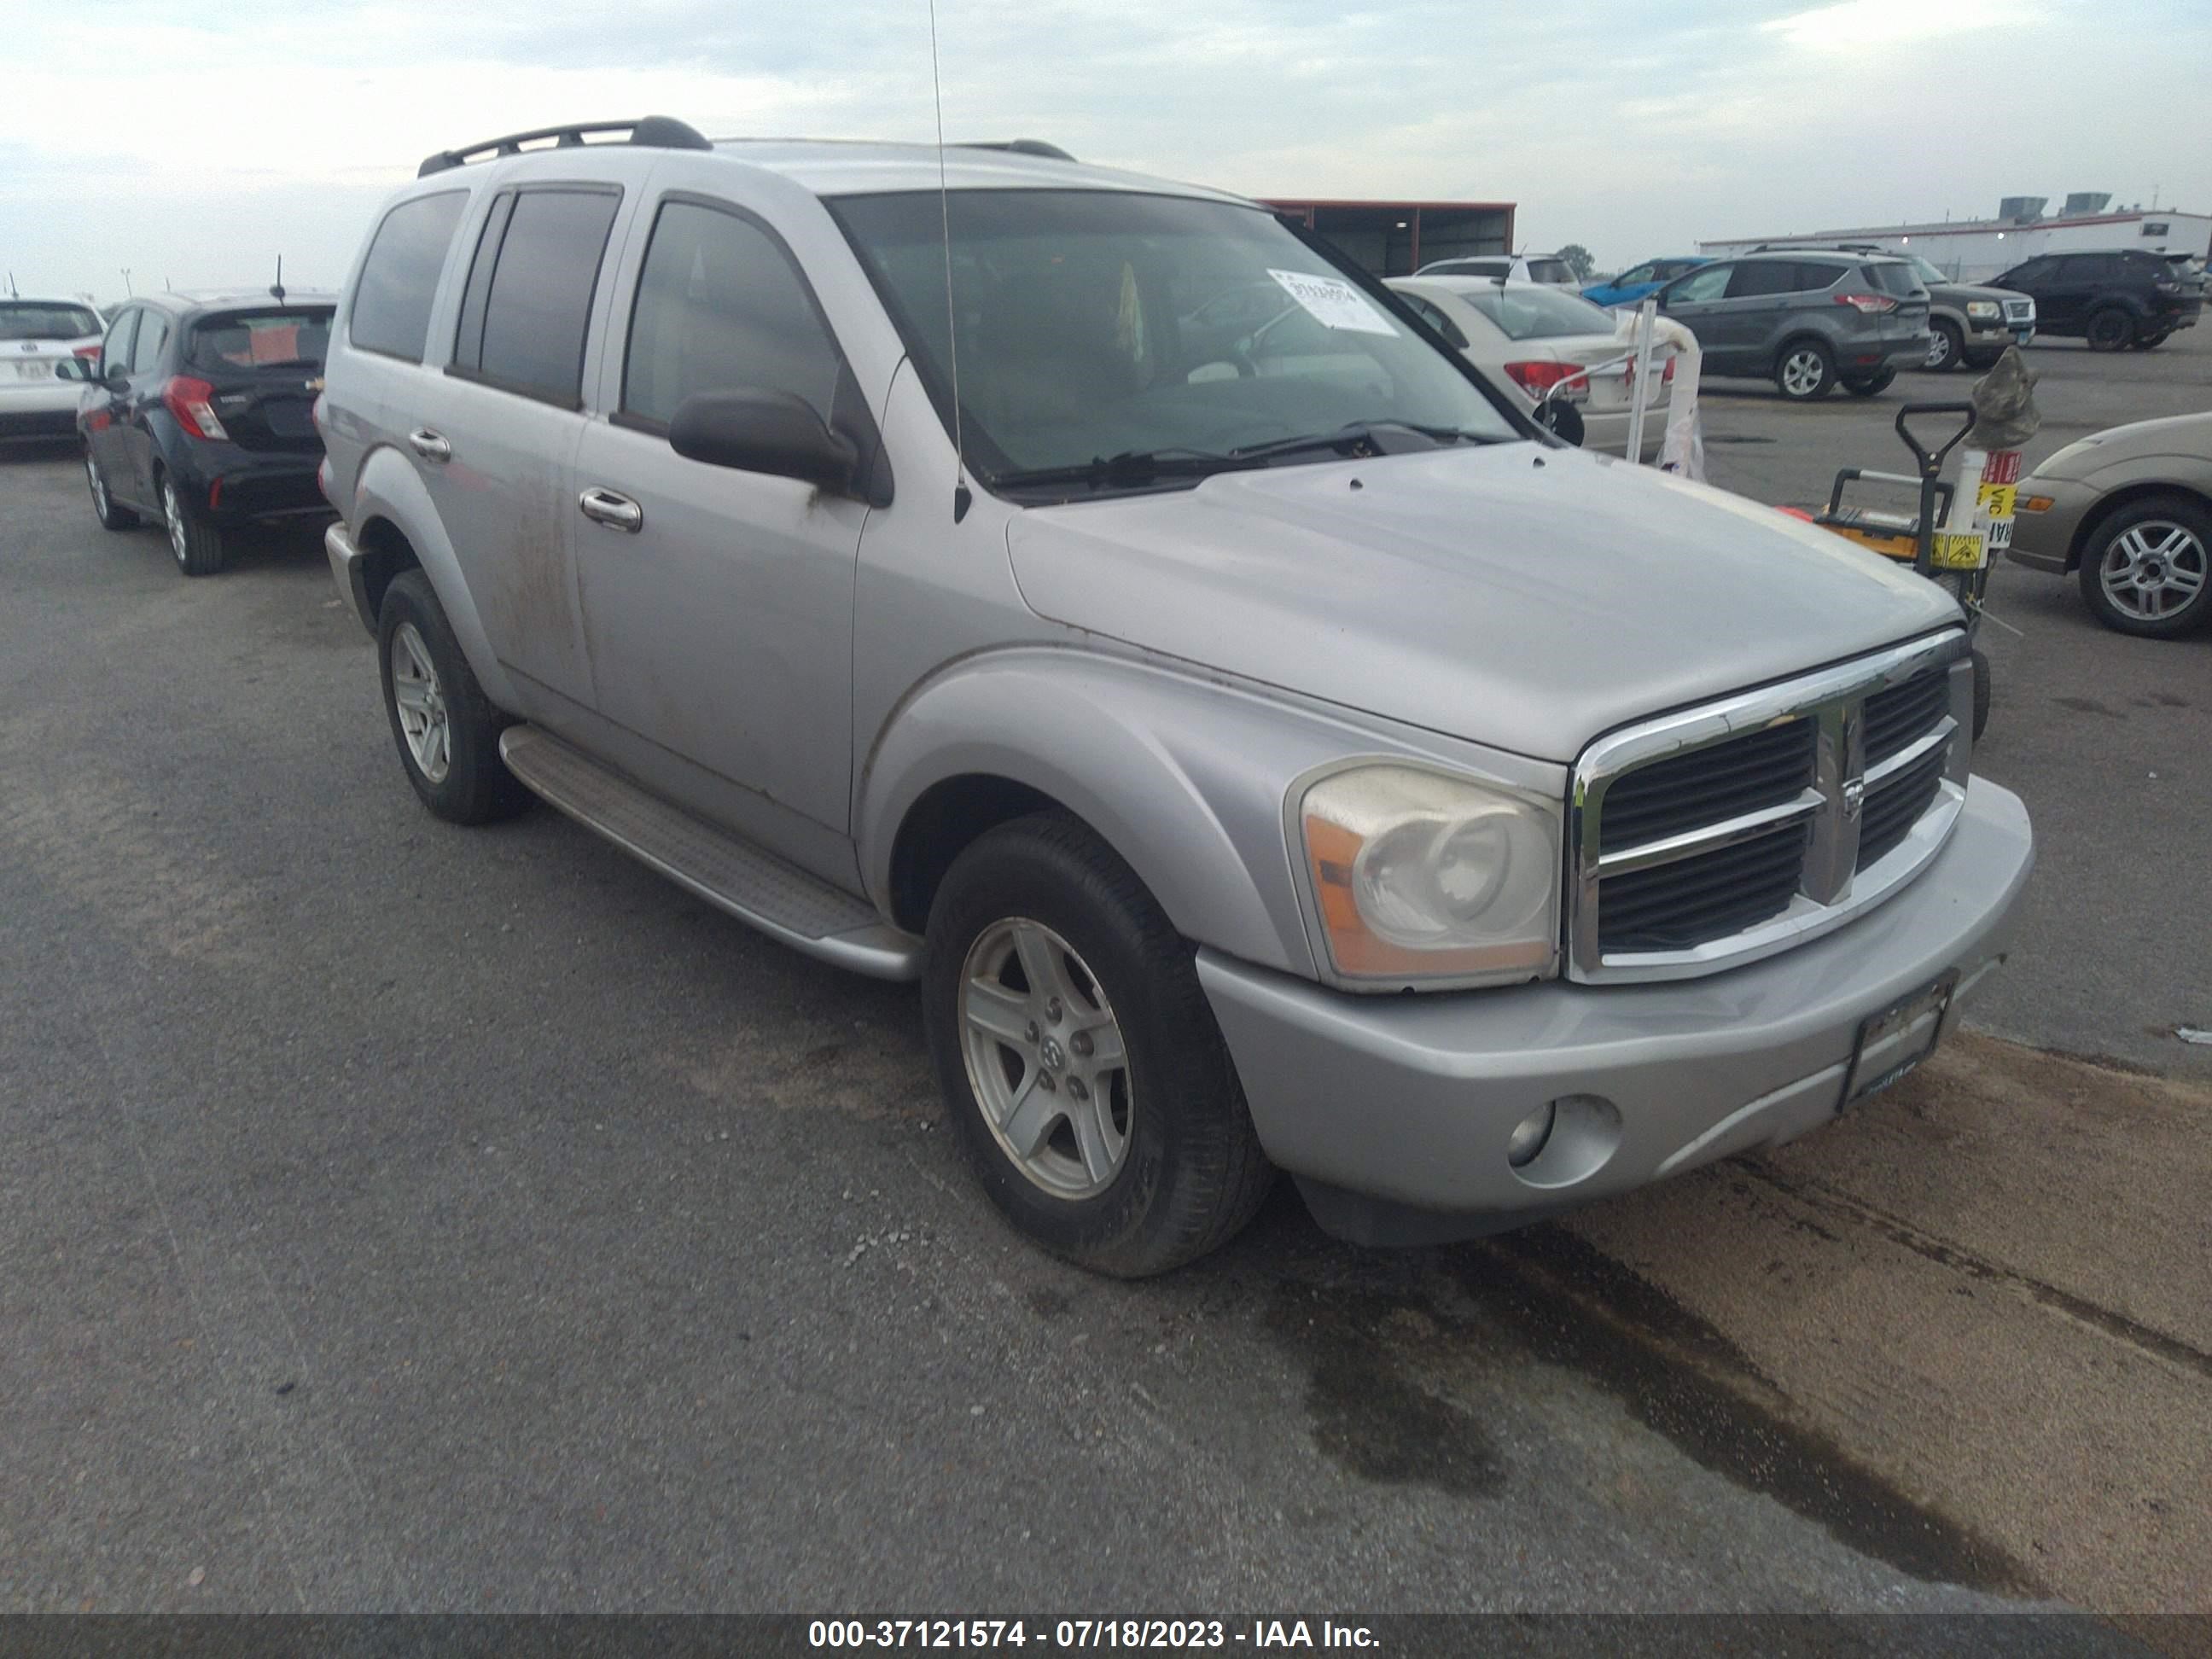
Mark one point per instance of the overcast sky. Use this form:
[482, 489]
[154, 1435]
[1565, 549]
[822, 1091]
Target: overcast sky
[193, 142]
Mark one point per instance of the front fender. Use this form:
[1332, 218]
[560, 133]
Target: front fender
[388, 487]
[1183, 774]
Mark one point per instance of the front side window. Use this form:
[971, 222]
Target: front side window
[27, 319]
[290, 338]
[115, 349]
[152, 334]
[1640, 273]
[544, 266]
[1096, 324]
[391, 298]
[1708, 284]
[721, 305]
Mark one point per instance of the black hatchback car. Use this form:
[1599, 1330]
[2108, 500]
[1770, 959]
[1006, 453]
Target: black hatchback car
[199, 411]
[2128, 297]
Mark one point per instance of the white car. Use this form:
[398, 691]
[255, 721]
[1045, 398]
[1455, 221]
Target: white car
[35, 336]
[1546, 268]
[1532, 338]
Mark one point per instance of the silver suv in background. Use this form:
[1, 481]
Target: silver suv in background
[1807, 321]
[1267, 748]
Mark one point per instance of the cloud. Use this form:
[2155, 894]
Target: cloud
[1632, 129]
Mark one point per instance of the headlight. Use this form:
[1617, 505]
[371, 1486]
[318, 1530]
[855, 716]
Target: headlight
[1984, 308]
[1417, 874]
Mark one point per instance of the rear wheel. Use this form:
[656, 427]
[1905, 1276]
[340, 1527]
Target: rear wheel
[446, 729]
[2110, 330]
[1806, 371]
[1946, 346]
[1865, 385]
[2148, 569]
[1078, 1057]
[104, 508]
[198, 547]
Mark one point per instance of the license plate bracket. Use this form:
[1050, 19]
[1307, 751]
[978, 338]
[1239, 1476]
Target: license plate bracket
[1896, 1040]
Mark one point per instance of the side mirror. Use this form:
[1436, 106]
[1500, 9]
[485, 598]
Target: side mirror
[85, 371]
[1562, 420]
[777, 433]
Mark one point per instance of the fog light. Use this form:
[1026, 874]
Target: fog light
[1530, 1134]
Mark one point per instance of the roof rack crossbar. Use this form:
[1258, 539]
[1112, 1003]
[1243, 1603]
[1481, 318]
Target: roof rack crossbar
[1018, 146]
[660, 131]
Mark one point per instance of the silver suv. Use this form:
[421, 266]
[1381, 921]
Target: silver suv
[1809, 320]
[1268, 749]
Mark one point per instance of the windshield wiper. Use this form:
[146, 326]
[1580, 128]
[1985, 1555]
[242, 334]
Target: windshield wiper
[1361, 432]
[1131, 467]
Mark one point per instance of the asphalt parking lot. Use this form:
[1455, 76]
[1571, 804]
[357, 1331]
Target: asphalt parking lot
[403, 1217]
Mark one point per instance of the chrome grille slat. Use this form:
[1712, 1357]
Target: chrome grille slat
[1728, 832]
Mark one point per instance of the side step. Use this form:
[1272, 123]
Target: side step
[757, 887]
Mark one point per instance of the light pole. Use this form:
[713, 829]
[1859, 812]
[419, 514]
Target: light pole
[128, 293]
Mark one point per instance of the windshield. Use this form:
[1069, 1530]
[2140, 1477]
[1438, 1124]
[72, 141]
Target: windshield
[23, 319]
[1538, 314]
[261, 339]
[1925, 272]
[1097, 326]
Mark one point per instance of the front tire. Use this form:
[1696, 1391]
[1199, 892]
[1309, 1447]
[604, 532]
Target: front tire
[1092, 1089]
[1866, 386]
[198, 548]
[1947, 348]
[2147, 570]
[104, 507]
[1805, 372]
[1981, 694]
[2110, 330]
[446, 730]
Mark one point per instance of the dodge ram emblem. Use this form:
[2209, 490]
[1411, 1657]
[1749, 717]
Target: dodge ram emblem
[1854, 798]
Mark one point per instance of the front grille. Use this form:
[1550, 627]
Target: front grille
[1680, 906]
[1725, 832]
[1894, 718]
[1894, 804]
[2018, 311]
[1706, 786]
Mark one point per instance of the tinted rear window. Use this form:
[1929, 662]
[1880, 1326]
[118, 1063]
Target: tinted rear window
[1539, 313]
[1755, 277]
[1551, 270]
[399, 279]
[539, 301]
[22, 319]
[297, 337]
[1897, 278]
[1468, 268]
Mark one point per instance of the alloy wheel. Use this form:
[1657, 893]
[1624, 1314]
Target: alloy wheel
[1938, 348]
[423, 719]
[2152, 570]
[98, 487]
[1802, 372]
[173, 511]
[1045, 1059]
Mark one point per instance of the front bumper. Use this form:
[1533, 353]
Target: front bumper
[2045, 540]
[1395, 1112]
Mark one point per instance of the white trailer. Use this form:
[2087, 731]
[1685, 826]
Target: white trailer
[1974, 251]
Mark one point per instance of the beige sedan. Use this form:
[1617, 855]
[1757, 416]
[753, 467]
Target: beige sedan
[1530, 336]
[2130, 510]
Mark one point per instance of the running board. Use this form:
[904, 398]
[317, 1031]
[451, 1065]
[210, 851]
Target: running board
[781, 900]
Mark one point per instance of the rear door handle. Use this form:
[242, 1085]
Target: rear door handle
[428, 445]
[617, 512]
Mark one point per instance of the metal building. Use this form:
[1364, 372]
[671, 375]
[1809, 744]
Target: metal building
[1975, 250]
[1396, 239]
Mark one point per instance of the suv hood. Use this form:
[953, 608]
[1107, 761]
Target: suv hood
[1959, 293]
[1518, 596]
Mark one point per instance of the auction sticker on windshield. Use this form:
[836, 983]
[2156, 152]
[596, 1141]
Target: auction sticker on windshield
[1333, 303]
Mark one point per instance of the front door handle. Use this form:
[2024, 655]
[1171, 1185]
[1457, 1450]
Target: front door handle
[617, 512]
[428, 445]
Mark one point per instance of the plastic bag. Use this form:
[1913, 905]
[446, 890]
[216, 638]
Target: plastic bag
[2005, 414]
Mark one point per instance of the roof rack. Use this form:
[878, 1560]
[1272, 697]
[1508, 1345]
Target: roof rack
[660, 131]
[1019, 147]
